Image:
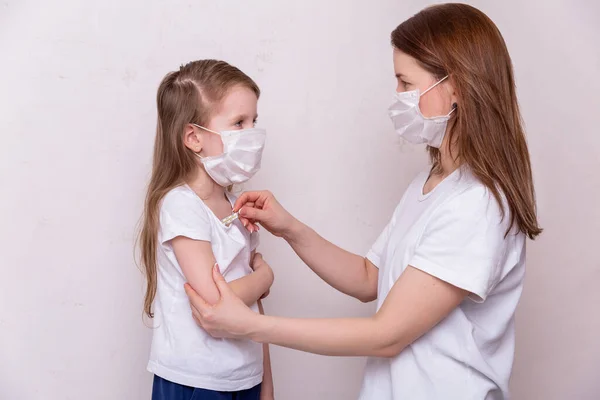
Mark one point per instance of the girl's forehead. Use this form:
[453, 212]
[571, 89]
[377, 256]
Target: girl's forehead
[239, 100]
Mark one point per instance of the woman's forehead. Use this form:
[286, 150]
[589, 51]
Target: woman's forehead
[406, 65]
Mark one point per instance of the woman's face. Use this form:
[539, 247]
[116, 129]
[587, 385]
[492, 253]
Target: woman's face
[411, 76]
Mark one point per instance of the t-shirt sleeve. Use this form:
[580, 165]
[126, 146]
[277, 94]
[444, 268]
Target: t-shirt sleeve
[183, 215]
[376, 251]
[463, 243]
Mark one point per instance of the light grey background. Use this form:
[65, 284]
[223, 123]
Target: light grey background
[77, 117]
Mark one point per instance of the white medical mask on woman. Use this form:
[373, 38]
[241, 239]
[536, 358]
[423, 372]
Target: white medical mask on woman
[241, 158]
[410, 123]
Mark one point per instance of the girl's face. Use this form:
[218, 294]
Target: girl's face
[411, 76]
[237, 110]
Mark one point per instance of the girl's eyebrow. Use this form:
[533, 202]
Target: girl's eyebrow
[241, 117]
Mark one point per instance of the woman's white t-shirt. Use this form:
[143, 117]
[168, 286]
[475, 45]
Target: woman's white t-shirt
[456, 233]
[181, 351]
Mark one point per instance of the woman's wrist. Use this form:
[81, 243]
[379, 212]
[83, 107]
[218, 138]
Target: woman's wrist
[294, 231]
[258, 328]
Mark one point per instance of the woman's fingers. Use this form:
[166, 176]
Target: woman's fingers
[196, 300]
[248, 223]
[246, 197]
[223, 318]
[200, 308]
[222, 286]
[253, 213]
[196, 317]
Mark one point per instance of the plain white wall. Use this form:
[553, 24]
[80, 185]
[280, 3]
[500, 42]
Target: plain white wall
[77, 116]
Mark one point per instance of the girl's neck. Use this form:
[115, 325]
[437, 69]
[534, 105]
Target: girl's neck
[203, 185]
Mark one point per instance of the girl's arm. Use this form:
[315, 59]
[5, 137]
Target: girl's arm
[197, 260]
[267, 390]
[416, 303]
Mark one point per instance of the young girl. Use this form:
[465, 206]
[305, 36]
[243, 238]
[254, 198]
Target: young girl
[205, 142]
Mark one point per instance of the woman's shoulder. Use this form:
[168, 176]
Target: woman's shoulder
[468, 184]
[471, 195]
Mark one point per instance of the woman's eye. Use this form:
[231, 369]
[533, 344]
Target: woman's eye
[254, 122]
[405, 84]
[239, 124]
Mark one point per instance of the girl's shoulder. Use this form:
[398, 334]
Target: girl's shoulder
[182, 199]
[182, 213]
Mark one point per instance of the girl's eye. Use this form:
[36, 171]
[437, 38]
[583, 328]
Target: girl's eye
[405, 84]
[254, 122]
[239, 124]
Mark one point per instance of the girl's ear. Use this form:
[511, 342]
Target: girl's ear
[192, 138]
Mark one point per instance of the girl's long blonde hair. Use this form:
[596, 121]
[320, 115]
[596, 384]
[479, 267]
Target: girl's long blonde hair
[185, 96]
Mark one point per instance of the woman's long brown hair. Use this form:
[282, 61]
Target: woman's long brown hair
[185, 96]
[487, 132]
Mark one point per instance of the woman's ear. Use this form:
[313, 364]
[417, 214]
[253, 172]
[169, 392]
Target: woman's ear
[452, 93]
[192, 138]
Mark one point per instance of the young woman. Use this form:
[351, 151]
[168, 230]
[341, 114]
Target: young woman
[447, 271]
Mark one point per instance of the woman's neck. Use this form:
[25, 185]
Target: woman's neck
[448, 164]
[448, 161]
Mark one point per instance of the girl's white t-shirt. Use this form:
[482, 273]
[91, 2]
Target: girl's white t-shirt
[181, 351]
[457, 234]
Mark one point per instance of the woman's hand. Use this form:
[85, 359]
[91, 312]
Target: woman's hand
[228, 318]
[262, 207]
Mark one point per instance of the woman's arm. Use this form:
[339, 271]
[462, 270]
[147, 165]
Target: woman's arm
[197, 260]
[416, 303]
[267, 391]
[347, 272]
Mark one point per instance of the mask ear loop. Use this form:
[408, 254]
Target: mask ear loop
[435, 84]
[454, 107]
[206, 129]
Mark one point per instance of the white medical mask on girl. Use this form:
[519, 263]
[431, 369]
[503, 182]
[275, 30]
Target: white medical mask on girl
[410, 123]
[241, 158]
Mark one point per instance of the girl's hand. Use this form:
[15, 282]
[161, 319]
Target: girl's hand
[228, 318]
[262, 207]
[259, 263]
